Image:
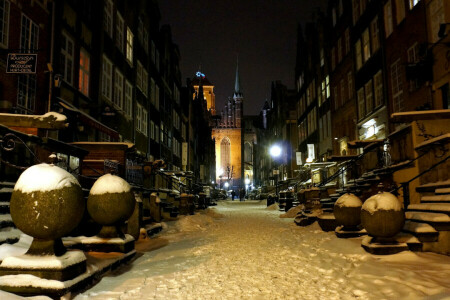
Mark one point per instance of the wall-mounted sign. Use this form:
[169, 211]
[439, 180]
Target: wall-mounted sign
[298, 156]
[20, 63]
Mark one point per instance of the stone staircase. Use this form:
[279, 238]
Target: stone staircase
[429, 220]
[8, 231]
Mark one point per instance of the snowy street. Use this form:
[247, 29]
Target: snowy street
[243, 250]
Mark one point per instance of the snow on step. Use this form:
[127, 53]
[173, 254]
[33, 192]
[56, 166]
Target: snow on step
[436, 198]
[5, 218]
[442, 191]
[416, 227]
[427, 216]
[436, 207]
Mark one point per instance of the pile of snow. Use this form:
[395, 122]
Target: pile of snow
[273, 207]
[44, 178]
[19, 248]
[110, 184]
[193, 223]
[382, 201]
[292, 213]
[348, 200]
[9, 296]
[213, 213]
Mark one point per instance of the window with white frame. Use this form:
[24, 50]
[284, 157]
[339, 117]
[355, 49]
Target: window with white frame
[26, 85]
[139, 70]
[358, 54]
[128, 105]
[144, 122]
[108, 17]
[83, 81]
[368, 88]
[129, 46]
[66, 58]
[120, 25]
[106, 78]
[413, 3]
[4, 23]
[400, 10]
[118, 89]
[397, 87]
[413, 57]
[138, 117]
[366, 45]
[388, 25]
[378, 84]
[323, 93]
[350, 85]
[374, 35]
[327, 84]
[361, 103]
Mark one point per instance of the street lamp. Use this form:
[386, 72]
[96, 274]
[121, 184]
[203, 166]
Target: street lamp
[275, 152]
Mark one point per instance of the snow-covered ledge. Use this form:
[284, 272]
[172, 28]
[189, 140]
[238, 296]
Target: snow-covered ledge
[50, 120]
[409, 116]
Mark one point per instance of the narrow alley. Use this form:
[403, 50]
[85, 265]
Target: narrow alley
[244, 250]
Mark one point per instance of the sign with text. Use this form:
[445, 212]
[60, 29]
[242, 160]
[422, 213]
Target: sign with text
[21, 63]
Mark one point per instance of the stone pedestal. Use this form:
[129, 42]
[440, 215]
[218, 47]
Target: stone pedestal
[98, 244]
[349, 232]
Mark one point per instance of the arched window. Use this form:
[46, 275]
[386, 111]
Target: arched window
[225, 153]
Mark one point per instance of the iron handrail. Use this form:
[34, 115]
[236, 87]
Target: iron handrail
[405, 185]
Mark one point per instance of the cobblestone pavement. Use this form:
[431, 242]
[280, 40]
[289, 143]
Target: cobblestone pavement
[251, 253]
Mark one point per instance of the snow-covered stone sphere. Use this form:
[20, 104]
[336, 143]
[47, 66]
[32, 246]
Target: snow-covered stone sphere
[382, 215]
[347, 210]
[110, 200]
[47, 202]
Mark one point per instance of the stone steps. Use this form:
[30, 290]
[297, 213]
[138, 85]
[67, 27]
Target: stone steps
[442, 191]
[4, 207]
[431, 187]
[436, 198]
[439, 221]
[431, 207]
[423, 231]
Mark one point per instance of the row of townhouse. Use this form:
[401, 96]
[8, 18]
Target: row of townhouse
[109, 67]
[357, 64]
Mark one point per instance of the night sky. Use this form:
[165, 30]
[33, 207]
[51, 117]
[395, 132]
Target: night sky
[213, 33]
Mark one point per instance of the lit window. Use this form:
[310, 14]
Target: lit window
[374, 33]
[369, 96]
[378, 82]
[129, 45]
[358, 55]
[361, 104]
[138, 117]
[400, 10]
[83, 84]
[144, 119]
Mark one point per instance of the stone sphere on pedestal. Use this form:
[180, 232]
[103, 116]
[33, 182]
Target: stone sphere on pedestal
[47, 203]
[347, 210]
[382, 215]
[110, 203]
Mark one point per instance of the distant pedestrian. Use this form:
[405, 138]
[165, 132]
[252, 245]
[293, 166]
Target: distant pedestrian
[232, 195]
[241, 194]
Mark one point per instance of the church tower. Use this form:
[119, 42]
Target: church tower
[228, 134]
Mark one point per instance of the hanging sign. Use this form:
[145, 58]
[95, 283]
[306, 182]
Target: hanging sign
[20, 63]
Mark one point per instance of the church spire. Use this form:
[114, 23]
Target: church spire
[237, 84]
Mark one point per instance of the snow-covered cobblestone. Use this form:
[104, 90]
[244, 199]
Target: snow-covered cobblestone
[252, 253]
